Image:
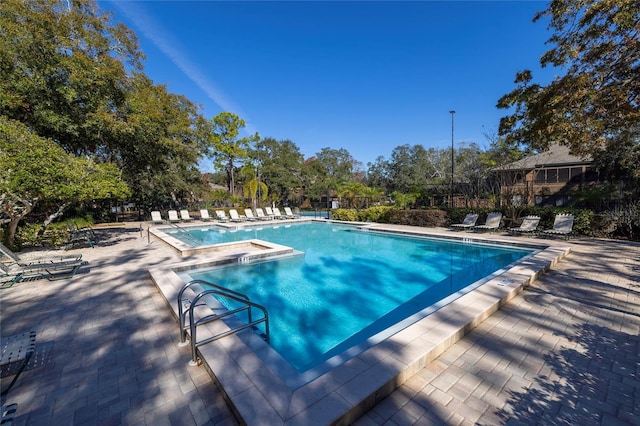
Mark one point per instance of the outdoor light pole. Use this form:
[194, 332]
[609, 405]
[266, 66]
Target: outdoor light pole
[451, 112]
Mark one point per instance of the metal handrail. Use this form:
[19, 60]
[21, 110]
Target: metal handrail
[181, 307]
[223, 292]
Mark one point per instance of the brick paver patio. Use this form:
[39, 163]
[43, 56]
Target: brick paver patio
[566, 351]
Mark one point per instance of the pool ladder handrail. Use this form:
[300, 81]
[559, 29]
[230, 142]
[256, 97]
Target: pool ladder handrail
[193, 324]
[182, 302]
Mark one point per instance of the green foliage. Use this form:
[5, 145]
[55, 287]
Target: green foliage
[402, 200]
[372, 214]
[29, 235]
[64, 71]
[225, 147]
[351, 215]
[416, 217]
[34, 170]
[594, 105]
[375, 214]
[626, 221]
[280, 166]
[72, 75]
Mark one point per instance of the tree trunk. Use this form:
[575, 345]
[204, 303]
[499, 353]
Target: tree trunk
[51, 218]
[230, 177]
[11, 231]
[16, 210]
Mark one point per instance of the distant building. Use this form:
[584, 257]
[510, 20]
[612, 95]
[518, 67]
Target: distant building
[547, 179]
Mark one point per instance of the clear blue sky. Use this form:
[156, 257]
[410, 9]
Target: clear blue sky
[365, 76]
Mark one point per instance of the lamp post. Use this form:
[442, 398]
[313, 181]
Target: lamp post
[451, 188]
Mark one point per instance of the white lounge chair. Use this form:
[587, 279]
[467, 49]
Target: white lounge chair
[260, 214]
[235, 217]
[204, 215]
[468, 222]
[184, 215]
[277, 214]
[562, 225]
[288, 213]
[269, 212]
[222, 216]
[249, 215]
[492, 223]
[529, 226]
[173, 216]
[156, 217]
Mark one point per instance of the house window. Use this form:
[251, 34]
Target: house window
[552, 175]
[541, 176]
[563, 175]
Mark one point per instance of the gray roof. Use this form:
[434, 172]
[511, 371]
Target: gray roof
[557, 155]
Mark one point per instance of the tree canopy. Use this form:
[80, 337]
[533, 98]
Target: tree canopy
[594, 106]
[226, 148]
[35, 169]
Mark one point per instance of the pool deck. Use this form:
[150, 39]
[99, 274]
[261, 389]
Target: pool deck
[566, 350]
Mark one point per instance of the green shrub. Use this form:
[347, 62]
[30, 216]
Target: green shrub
[375, 214]
[426, 218]
[350, 215]
[27, 235]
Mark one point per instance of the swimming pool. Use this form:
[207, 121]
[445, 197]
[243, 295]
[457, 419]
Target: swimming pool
[264, 389]
[351, 285]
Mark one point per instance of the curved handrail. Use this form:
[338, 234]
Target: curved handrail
[182, 314]
[247, 305]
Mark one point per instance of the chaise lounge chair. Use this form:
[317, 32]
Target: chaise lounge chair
[260, 214]
[221, 216]
[173, 216]
[249, 215]
[79, 235]
[492, 223]
[13, 273]
[156, 217]
[289, 214]
[184, 216]
[235, 217]
[528, 226]
[38, 258]
[468, 223]
[562, 225]
[277, 214]
[204, 215]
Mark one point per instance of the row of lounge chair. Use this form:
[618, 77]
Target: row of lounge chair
[221, 215]
[562, 225]
[53, 267]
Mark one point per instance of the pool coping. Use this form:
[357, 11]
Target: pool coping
[343, 394]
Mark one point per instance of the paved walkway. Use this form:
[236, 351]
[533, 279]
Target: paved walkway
[566, 351]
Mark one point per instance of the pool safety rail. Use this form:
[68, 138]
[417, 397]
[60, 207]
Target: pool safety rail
[187, 308]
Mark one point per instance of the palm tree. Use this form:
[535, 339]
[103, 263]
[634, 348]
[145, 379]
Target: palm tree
[350, 191]
[402, 200]
[254, 188]
[371, 195]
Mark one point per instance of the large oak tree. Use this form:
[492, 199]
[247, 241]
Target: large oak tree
[594, 107]
[35, 169]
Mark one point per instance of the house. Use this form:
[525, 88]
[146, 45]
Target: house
[547, 179]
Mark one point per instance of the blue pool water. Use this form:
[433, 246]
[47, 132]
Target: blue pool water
[350, 284]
